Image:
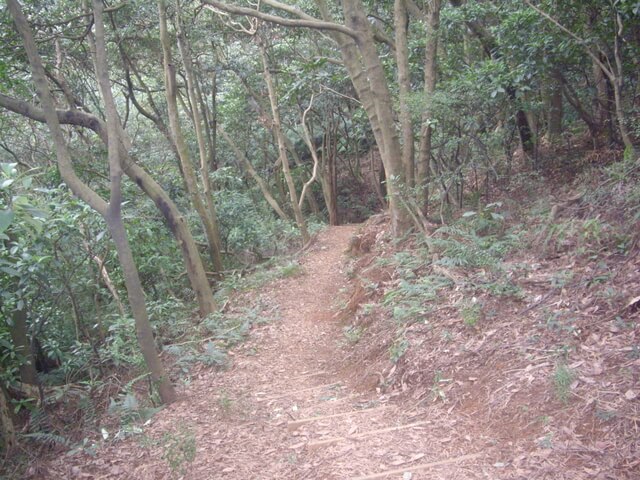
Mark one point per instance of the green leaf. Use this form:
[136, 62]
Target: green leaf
[10, 271]
[6, 218]
[8, 169]
[6, 183]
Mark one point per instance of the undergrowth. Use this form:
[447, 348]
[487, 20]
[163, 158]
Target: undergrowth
[104, 411]
[436, 264]
[458, 279]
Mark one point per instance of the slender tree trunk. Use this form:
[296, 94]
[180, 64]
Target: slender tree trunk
[621, 116]
[144, 332]
[602, 104]
[103, 274]
[190, 177]
[430, 79]
[246, 164]
[317, 164]
[263, 111]
[20, 338]
[210, 119]
[593, 125]
[282, 148]
[327, 179]
[192, 91]
[555, 107]
[113, 217]
[6, 421]
[310, 199]
[110, 211]
[611, 65]
[404, 84]
[166, 206]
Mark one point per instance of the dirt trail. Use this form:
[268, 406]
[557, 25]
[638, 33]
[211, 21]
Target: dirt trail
[286, 408]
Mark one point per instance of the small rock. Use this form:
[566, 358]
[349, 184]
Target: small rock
[631, 395]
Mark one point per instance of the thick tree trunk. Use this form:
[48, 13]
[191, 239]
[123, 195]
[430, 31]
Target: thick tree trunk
[524, 131]
[381, 118]
[282, 148]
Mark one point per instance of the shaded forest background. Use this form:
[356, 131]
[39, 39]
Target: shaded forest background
[157, 157]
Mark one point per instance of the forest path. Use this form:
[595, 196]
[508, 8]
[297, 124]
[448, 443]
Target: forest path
[285, 409]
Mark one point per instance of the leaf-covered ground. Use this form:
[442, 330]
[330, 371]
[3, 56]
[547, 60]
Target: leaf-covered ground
[459, 358]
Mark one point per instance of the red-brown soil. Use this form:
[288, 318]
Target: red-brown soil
[489, 414]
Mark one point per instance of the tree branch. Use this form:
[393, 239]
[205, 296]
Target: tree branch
[608, 71]
[309, 22]
[65, 117]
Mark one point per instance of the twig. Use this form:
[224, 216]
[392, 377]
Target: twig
[420, 467]
[202, 340]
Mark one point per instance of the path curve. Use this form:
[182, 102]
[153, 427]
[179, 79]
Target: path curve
[285, 409]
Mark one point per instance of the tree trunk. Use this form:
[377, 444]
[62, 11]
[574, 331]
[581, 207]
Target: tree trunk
[144, 332]
[327, 179]
[555, 109]
[6, 421]
[246, 164]
[490, 48]
[367, 75]
[309, 198]
[210, 227]
[603, 103]
[113, 217]
[430, 79]
[175, 220]
[404, 83]
[109, 211]
[22, 346]
[192, 91]
[282, 148]
[377, 177]
[104, 276]
[573, 99]
[381, 118]
[210, 119]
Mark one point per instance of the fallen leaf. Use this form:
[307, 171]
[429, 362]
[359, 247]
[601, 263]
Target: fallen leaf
[634, 302]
